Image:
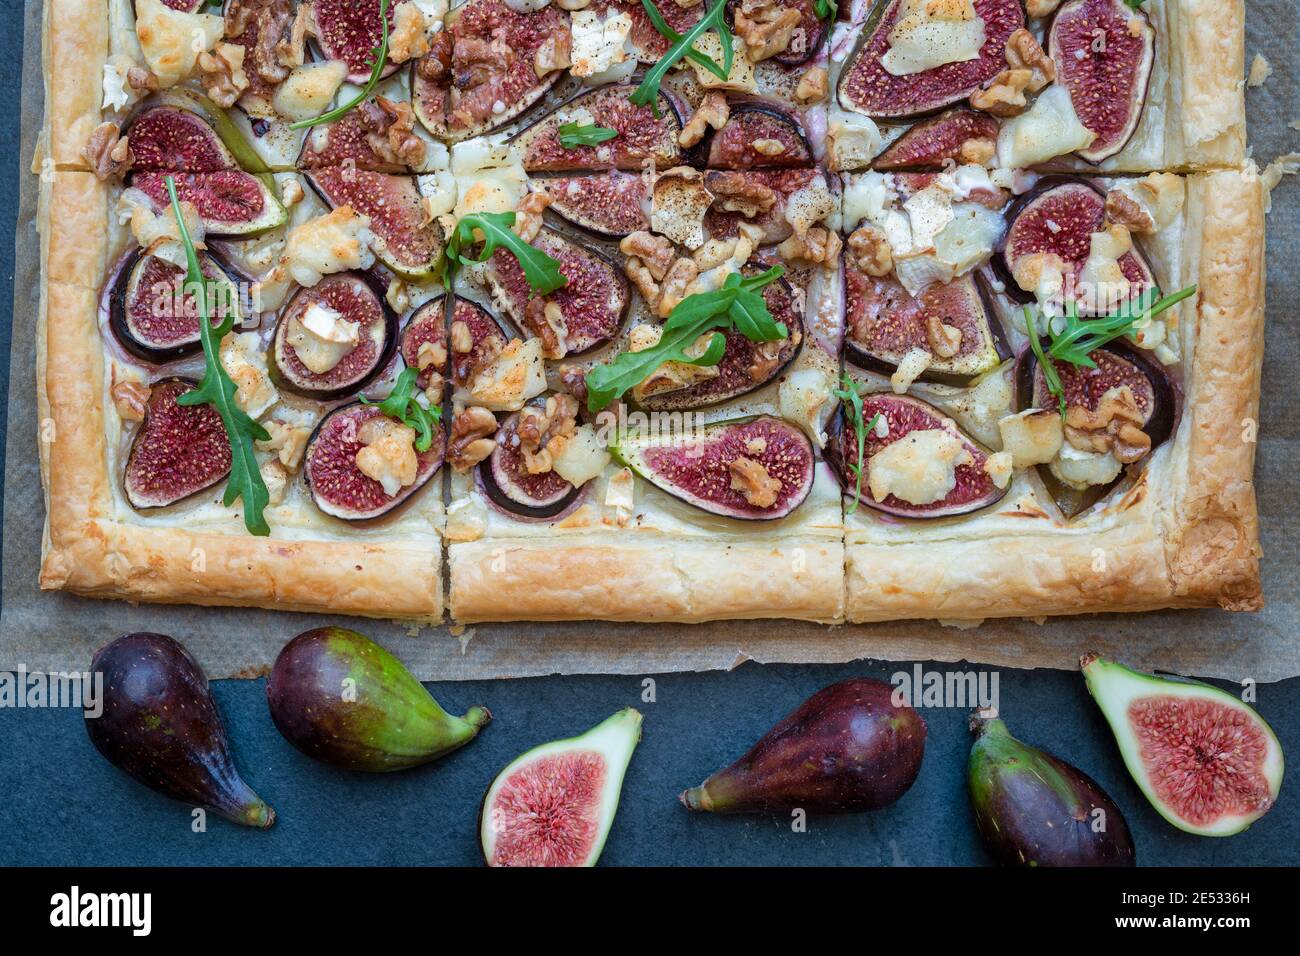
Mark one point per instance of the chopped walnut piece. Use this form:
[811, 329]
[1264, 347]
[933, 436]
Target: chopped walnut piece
[130, 399]
[288, 439]
[978, 151]
[430, 355]
[674, 289]
[222, 73]
[462, 340]
[639, 273]
[407, 40]
[528, 216]
[1123, 209]
[1116, 426]
[471, 442]
[654, 252]
[736, 192]
[767, 355]
[545, 319]
[387, 454]
[813, 86]
[1041, 8]
[390, 126]
[142, 80]
[108, 152]
[712, 111]
[555, 53]
[751, 479]
[768, 147]
[291, 46]
[572, 5]
[574, 380]
[714, 253]
[539, 423]
[766, 27]
[871, 251]
[684, 4]
[1028, 68]
[436, 64]
[945, 340]
[817, 246]
[1024, 53]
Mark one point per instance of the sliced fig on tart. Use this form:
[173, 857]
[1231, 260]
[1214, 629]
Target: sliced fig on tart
[154, 317]
[1056, 220]
[476, 339]
[952, 321]
[647, 43]
[262, 26]
[758, 136]
[338, 485]
[867, 86]
[587, 311]
[172, 138]
[483, 69]
[919, 464]
[230, 202]
[333, 338]
[642, 136]
[1104, 51]
[611, 204]
[217, 120]
[350, 30]
[345, 142]
[754, 469]
[932, 142]
[807, 37]
[410, 245]
[178, 450]
[424, 341]
[184, 6]
[505, 479]
[775, 199]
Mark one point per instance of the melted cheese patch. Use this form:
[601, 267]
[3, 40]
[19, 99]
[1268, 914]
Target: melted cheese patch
[321, 337]
[1047, 129]
[598, 44]
[489, 176]
[331, 243]
[920, 468]
[517, 375]
[172, 40]
[931, 33]
[245, 363]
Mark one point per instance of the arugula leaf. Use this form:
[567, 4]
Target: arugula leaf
[692, 317]
[848, 392]
[380, 55]
[826, 9]
[1134, 4]
[647, 94]
[218, 390]
[1054, 385]
[1079, 337]
[542, 272]
[572, 135]
[402, 406]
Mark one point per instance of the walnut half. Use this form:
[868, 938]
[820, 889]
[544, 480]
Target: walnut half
[1116, 426]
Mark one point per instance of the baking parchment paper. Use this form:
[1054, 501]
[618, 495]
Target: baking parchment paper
[58, 632]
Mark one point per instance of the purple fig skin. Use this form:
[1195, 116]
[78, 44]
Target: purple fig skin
[848, 748]
[161, 726]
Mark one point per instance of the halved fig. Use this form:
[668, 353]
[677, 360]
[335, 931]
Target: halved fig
[151, 314]
[758, 136]
[344, 297]
[231, 202]
[481, 73]
[507, 482]
[647, 43]
[343, 142]
[228, 133]
[426, 326]
[338, 487]
[349, 30]
[1104, 51]
[176, 139]
[801, 195]
[745, 365]
[971, 487]
[641, 136]
[754, 469]
[1058, 216]
[933, 141]
[593, 301]
[486, 340]
[178, 451]
[883, 322]
[867, 87]
[410, 246]
[609, 204]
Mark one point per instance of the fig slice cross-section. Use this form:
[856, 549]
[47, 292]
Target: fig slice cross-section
[178, 451]
[867, 87]
[931, 142]
[486, 337]
[507, 481]
[426, 326]
[610, 204]
[173, 139]
[753, 469]
[641, 136]
[230, 202]
[758, 136]
[344, 142]
[349, 30]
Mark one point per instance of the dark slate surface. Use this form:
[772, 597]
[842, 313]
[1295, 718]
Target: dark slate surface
[63, 804]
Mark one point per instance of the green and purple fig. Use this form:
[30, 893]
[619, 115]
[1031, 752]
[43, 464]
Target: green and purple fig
[160, 724]
[338, 696]
[1034, 809]
[849, 747]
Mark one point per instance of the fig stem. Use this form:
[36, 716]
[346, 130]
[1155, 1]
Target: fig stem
[477, 717]
[985, 720]
[696, 798]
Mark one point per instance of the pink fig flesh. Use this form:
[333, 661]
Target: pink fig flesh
[609, 204]
[427, 326]
[641, 136]
[178, 451]
[758, 137]
[349, 30]
[931, 142]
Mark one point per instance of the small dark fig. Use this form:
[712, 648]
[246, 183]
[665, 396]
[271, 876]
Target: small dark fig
[931, 142]
[593, 302]
[355, 298]
[755, 469]
[1058, 216]
[745, 365]
[758, 136]
[171, 138]
[453, 100]
[798, 194]
[883, 322]
[865, 85]
[151, 315]
[847, 748]
[1034, 809]
[554, 805]
[161, 726]
[486, 335]
[349, 30]
[230, 202]
[345, 142]
[1103, 51]
[338, 487]
[410, 247]
[641, 135]
[507, 482]
[427, 326]
[339, 697]
[1209, 764]
[608, 204]
[972, 487]
[178, 450]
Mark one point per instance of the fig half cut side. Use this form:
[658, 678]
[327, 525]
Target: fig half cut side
[486, 336]
[866, 87]
[230, 202]
[345, 142]
[427, 326]
[178, 450]
[338, 487]
[168, 137]
[932, 142]
[609, 204]
[506, 480]
[972, 489]
[758, 136]
[356, 298]
[642, 136]
[1104, 51]
[349, 30]
[753, 469]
